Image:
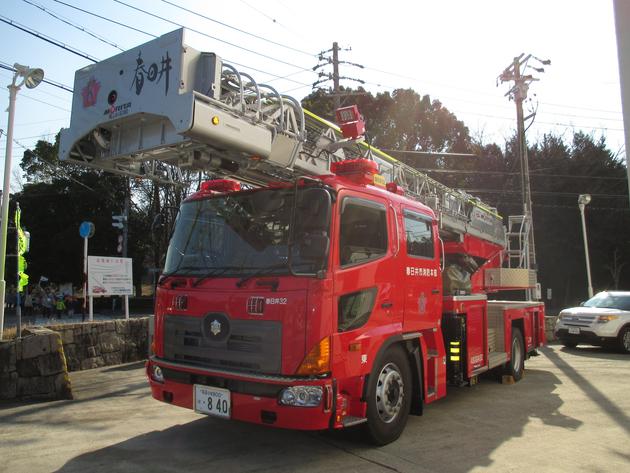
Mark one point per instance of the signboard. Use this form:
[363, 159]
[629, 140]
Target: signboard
[109, 276]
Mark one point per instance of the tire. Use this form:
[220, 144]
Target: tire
[516, 365]
[388, 397]
[624, 339]
[568, 344]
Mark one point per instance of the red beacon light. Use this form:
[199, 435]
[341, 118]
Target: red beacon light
[215, 186]
[351, 122]
[361, 171]
[395, 188]
[220, 185]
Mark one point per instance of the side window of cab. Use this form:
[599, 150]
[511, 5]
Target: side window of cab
[363, 232]
[419, 235]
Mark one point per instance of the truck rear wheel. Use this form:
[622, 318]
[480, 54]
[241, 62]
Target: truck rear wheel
[624, 339]
[389, 397]
[516, 365]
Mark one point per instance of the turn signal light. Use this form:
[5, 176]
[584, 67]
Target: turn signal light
[317, 361]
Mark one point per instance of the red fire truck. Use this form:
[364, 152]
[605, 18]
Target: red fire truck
[312, 281]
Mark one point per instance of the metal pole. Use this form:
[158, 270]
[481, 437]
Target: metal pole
[13, 90]
[126, 307]
[336, 97]
[18, 307]
[622, 24]
[588, 264]
[85, 274]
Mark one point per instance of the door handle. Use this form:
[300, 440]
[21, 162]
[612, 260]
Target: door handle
[435, 291]
[387, 305]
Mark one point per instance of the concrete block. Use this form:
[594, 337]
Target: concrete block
[114, 358]
[8, 385]
[67, 336]
[7, 356]
[51, 364]
[36, 344]
[63, 387]
[29, 387]
[110, 342]
[29, 367]
[91, 351]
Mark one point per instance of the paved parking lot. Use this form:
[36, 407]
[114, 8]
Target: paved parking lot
[571, 412]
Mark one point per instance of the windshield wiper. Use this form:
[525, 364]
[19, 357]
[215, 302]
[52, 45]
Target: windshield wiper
[214, 272]
[261, 272]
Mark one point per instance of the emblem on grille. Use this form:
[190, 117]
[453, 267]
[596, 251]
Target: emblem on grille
[256, 305]
[215, 327]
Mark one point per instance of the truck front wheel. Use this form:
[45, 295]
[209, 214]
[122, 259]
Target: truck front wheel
[516, 365]
[389, 397]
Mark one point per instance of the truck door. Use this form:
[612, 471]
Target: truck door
[422, 275]
[366, 294]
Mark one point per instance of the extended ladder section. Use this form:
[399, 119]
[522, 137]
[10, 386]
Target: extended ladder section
[162, 108]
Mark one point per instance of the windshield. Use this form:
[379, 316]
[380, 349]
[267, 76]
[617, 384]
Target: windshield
[248, 233]
[609, 301]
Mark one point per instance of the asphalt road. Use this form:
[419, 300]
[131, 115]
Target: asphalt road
[571, 412]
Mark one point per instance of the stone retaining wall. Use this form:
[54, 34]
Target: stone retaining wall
[37, 365]
[550, 322]
[34, 367]
[95, 344]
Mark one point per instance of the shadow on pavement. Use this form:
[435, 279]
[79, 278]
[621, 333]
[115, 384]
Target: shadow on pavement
[611, 409]
[596, 352]
[475, 421]
[125, 367]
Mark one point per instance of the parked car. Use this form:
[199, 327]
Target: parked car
[603, 320]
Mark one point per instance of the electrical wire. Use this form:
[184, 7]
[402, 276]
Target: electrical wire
[105, 18]
[48, 39]
[214, 37]
[201, 15]
[8, 67]
[68, 22]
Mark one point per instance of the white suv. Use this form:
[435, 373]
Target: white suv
[602, 320]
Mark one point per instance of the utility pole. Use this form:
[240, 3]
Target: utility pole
[335, 76]
[336, 98]
[515, 72]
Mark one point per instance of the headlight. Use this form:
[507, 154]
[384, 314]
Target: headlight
[156, 374]
[602, 319]
[301, 396]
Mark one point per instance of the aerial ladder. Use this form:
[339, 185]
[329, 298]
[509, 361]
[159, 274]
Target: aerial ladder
[162, 108]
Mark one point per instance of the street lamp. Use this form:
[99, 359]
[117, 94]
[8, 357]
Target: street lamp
[31, 78]
[583, 201]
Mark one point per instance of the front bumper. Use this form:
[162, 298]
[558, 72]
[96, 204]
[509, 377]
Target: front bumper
[254, 398]
[585, 336]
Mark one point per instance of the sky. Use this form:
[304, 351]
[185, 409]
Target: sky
[452, 50]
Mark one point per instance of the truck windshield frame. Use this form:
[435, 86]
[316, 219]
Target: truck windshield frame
[247, 233]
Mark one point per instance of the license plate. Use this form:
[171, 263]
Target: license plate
[574, 330]
[212, 401]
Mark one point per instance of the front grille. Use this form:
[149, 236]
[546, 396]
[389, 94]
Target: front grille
[251, 345]
[579, 320]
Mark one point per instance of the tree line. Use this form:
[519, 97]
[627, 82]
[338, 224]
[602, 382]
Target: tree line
[58, 196]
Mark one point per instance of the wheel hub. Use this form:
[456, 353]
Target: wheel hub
[389, 392]
[626, 340]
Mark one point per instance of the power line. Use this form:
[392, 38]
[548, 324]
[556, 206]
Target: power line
[213, 37]
[6, 66]
[78, 27]
[48, 39]
[237, 29]
[105, 18]
[500, 173]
